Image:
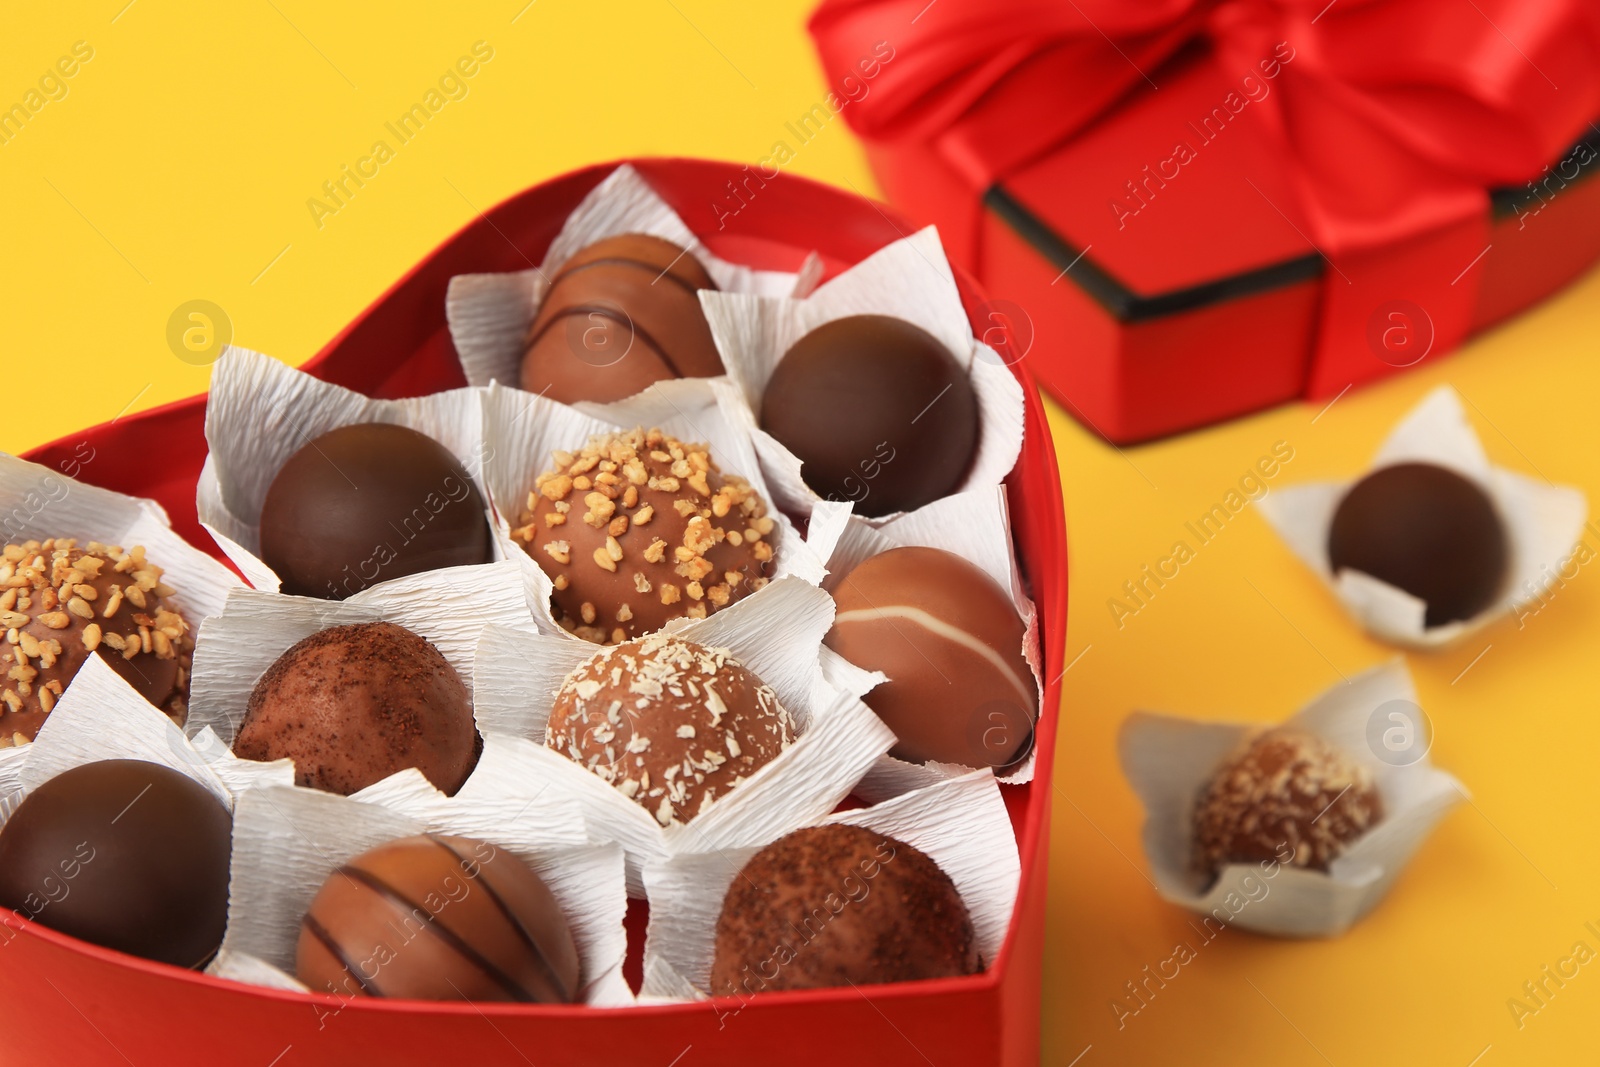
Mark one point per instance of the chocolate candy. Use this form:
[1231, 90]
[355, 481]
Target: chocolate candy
[438, 918]
[950, 641]
[66, 603]
[125, 854]
[878, 411]
[838, 905]
[639, 528]
[352, 705]
[1287, 796]
[672, 724]
[1426, 530]
[366, 503]
[621, 314]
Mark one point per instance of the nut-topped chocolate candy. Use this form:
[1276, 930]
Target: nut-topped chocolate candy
[353, 704]
[1427, 530]
[1286, 795]
[618, 316]
[878, 411]
[672, 724]
[438, 918]
[638, 528]
[840, 905]
[950, 641]
[62, 602]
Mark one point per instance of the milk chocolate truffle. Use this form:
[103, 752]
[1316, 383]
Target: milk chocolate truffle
[672, 724]
[1287, 796]
[638, 528]
[878, 411]
[438, 918]
[352, 705]
[1426, 530]
[125, 854]
[366, 503]
[950, 641]
[61, 603]
[838, 905]
[621, 314]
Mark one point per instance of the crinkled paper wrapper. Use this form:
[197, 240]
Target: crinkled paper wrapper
[522, 431]
[776, 635]
[490, 314]
[261, 412]
[1168, 761]
[974, 525]
[909, 279]
[959, 823]
[1543, 523]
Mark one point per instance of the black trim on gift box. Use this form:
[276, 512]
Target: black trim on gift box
[1126, 305]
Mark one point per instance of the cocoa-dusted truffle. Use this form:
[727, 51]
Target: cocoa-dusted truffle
[878, 411]
[1427, 530]
[950, 641]
[438, 918]
[366, 503]
[1288, 796]
[618, 316]
[672, 724]
[352, 705]
[839, 905]
[60, 602]
[638, 528]
[125, 854]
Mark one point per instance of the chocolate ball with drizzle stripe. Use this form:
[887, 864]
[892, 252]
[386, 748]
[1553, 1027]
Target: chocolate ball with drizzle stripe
[620, 315]
[438, 918]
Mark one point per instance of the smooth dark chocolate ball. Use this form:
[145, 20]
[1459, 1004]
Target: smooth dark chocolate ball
[1426, 530]
[878, 411]
[125, 854]
[352, 705]
[366, 503]
[438, 918]
[950, 641]
[620, 315]
[835, 906]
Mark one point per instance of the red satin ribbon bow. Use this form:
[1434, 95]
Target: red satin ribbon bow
[1395, 116]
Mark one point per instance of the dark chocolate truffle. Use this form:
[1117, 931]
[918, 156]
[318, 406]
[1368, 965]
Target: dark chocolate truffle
[1426, 530]
[878, 411]
[366, 503]
[950, 641]
[1286, 796]
[62, 603]
[838, 905]
[352, 705]
[125, 854]
[621, 314]
[639, 528]
[672, 724]
[438, 918]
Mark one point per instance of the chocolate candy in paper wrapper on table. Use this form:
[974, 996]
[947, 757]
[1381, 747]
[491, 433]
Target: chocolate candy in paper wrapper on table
[1188, 211]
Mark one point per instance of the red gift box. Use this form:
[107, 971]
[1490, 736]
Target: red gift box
[89, 1005]
[1199, 208]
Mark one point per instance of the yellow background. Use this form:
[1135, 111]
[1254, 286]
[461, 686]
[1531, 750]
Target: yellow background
[178, 166]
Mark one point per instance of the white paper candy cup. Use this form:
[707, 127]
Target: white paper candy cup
[288, 841]
[974, 525]
[448, 607]
[1543, 523]
[261, 412]
[1169, 761]
[490, 314]
[522, 431]
[909, 279]
[959, 823]
[776, 635]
